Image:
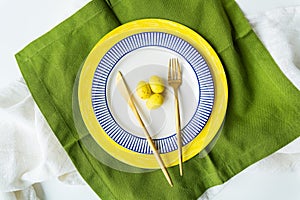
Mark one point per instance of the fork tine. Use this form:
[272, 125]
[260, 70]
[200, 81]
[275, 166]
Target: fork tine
[173, 69]
[178, 69]
[170, 70]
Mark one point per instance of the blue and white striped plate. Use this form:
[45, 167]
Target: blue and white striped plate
[140, 49]
[139, 56]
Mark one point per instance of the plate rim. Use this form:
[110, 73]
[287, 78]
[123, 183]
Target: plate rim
[153, 25]
[104, 74]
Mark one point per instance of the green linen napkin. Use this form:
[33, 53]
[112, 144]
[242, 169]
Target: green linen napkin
[263, 108]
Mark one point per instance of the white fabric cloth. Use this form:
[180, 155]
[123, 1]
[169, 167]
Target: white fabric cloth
[279, 30]
[30, 153]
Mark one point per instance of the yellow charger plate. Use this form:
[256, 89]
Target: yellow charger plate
[140, 49]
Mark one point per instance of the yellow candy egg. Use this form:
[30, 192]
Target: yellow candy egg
[143, 90]
[155, 101]
[156, 84]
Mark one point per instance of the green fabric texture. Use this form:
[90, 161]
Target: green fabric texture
[263, 106]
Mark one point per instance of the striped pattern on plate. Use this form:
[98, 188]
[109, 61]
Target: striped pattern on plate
[142, 40]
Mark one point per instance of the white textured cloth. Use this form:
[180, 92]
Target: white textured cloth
[279, 30]
[30, 153]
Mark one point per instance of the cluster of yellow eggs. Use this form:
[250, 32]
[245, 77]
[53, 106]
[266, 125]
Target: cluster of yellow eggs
[152, 92]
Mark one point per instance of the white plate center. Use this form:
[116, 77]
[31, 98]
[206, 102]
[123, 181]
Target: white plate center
[140, 65]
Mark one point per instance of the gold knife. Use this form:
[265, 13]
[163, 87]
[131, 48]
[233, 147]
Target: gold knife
[123, 89]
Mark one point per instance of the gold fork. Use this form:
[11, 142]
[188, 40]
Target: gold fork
[175, 80]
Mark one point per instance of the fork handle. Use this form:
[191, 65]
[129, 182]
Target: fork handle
[178, 131]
